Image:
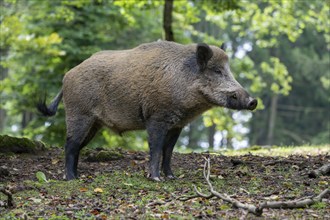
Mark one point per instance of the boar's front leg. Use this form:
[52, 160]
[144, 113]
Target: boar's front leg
[156, 137]
[171, 138]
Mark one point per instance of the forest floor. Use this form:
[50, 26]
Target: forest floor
[119, 189]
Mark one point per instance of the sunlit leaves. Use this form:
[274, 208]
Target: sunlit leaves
[325, 82]
[62, 12]
[10, 29]
[130, 8]
[245, 68]
[280, 75]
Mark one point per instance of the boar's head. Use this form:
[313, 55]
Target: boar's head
[216, 83]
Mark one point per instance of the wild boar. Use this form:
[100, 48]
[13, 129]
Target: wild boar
[159, 86]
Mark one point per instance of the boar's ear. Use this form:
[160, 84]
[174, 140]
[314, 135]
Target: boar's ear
[223, 47]
[204, 54]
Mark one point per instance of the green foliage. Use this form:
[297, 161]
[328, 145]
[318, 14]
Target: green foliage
[279, 74]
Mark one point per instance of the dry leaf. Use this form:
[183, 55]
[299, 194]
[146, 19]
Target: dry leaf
[98, 190]
[83, 189]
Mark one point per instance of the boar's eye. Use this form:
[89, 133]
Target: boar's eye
[217, 71]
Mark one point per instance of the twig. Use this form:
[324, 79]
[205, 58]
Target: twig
[256, 210]
[10, 200]
[199, 194]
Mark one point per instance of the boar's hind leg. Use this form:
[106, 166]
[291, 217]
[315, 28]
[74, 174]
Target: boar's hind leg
[156, 138]
[79, 133]
[171, 138]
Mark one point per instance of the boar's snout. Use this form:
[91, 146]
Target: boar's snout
[241, 100]
[252, 104]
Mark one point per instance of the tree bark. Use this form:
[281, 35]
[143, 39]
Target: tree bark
[3, 117]
[3, 75]
[26, 118]
[192, 140]
[272, 120]
[167, 20]
[211, 134]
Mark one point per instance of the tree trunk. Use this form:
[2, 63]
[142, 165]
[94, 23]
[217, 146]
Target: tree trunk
[26, 118]
[272, 120]
[3, 117]
[192, 140]
[211, 134]
[167, 20]
[3, 75]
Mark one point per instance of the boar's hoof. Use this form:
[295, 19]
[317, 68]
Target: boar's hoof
[156, 179]
[170, 177]
[70, 177]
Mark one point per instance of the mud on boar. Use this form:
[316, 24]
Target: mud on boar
[159, 86]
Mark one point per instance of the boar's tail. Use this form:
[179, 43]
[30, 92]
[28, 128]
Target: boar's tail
[52, 108]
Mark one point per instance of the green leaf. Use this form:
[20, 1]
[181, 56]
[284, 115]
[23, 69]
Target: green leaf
[41, 177]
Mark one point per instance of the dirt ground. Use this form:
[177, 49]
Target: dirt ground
[248, 178]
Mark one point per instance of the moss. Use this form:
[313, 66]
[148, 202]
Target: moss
[102, 155]
[20, 145]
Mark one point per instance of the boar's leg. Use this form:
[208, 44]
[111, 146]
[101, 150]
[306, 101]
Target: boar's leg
[171, 138]
[72, 147]
[79, 133]
[156, 137]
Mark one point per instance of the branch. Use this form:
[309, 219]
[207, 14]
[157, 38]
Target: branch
[256, 210]
[236, 162]
[10, 201]
[299, 203]
[323, 170]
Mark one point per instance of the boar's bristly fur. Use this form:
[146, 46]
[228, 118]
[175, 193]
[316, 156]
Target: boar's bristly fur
[159, 86]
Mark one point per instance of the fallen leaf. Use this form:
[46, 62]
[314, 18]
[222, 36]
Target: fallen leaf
[98, 190]
[323, 182]
[41, 177]
[272, 197]
[95, 211]
[55, 161]
[35, 200]
[83, 189]
[103, 217]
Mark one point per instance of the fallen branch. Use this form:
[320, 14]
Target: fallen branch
[323, 170]
[236, 162]
[255, 209]
[10, 200]
[270, 163]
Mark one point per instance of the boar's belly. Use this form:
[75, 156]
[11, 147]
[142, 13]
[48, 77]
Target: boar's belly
[121, 121]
